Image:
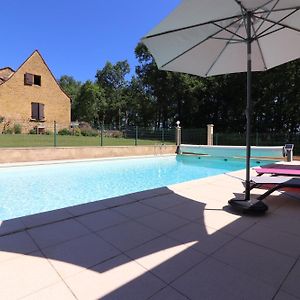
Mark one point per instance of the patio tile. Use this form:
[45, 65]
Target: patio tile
[180, 187]
[207, 239]
[191, 211]
[164, 201]
[150, 193]
[168, 293]
[10, 226]
[291, 284]
[212, 204]
[162, 221]
[290, 207]
[56, 291]
[85, 208]
[56, 233]
[14, 245]
[117, 201]
[226, 221]
[135, 210]
[257, 261]
[287, 224]
[76, 255]
[205, 194]
[214, 280]
[128, 235]
[274, 202]
[102, 219]
[46, 217]
[118, 278]
[285, 296]
[279, 241]
[25, 275]
[166, 258]
[227, 183]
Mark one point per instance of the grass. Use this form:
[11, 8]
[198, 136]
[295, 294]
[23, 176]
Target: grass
[32, 140]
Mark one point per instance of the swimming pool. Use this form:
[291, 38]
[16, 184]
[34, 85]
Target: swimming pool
[28, 190]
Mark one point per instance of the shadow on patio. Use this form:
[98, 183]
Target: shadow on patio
[157, 244]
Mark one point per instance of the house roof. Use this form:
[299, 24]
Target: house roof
[5, 74]
[4, 79]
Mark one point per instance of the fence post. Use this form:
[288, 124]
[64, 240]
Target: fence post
[136, 135]
[178, 137]
[256, 137]
[101, 135]
[54, 131]
[210, 134]
[178, 134]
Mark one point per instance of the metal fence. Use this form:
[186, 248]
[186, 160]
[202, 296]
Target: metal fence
[195, 136]
[258, 139]
[60, 136]
[198, 136]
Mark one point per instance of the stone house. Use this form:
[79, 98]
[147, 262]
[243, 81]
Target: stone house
[31, 97]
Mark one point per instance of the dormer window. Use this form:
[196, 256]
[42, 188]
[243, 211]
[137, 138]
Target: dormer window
[31, 79]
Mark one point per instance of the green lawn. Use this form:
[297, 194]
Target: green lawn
[31, 140]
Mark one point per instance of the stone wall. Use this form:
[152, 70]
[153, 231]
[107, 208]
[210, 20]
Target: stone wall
[13, 155]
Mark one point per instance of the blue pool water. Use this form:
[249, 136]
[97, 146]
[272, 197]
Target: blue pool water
[32, 189]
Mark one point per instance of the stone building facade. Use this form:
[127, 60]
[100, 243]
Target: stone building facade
[31, 97]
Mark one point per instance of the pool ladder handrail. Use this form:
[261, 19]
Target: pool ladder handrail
[159, 146]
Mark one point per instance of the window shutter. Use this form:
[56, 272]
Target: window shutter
[28, 79]
[41, 111]
[34, 111]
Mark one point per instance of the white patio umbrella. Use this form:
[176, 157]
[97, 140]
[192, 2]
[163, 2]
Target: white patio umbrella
[211, 37]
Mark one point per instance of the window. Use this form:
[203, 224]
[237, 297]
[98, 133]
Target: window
[37, 80]
[31, 79]
[28, 79]
[37, 111]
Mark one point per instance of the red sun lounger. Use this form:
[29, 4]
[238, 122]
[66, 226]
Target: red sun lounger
[279, 169]
[277, 182]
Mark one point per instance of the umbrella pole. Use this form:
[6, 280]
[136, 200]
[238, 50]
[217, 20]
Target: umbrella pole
[248, 204]
[248, 107]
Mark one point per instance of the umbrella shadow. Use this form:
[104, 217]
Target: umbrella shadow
[167, 252]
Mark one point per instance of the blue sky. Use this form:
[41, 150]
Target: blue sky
[77, 37]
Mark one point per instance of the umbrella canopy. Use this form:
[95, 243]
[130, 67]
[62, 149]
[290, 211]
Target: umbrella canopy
[209, 37]
[212, 37]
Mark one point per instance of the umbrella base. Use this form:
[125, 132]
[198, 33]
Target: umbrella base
[248, 206]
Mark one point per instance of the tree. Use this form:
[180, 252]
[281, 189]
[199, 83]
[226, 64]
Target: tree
[71, 87]
[139, 107]
[112, 80]
[91, 105]
[157, 85]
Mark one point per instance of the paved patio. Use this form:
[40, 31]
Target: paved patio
[180, 242]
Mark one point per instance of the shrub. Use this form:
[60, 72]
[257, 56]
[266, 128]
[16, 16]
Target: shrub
[48, 132]
[117, 134]
[2, 119]
[89, 132]
[64, 131]
[85, 126]
[8, 130]
[32, 131]
[17, 128]
[76, 131]
[114, 134]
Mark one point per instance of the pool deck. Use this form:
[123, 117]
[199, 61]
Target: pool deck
[177, 242]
